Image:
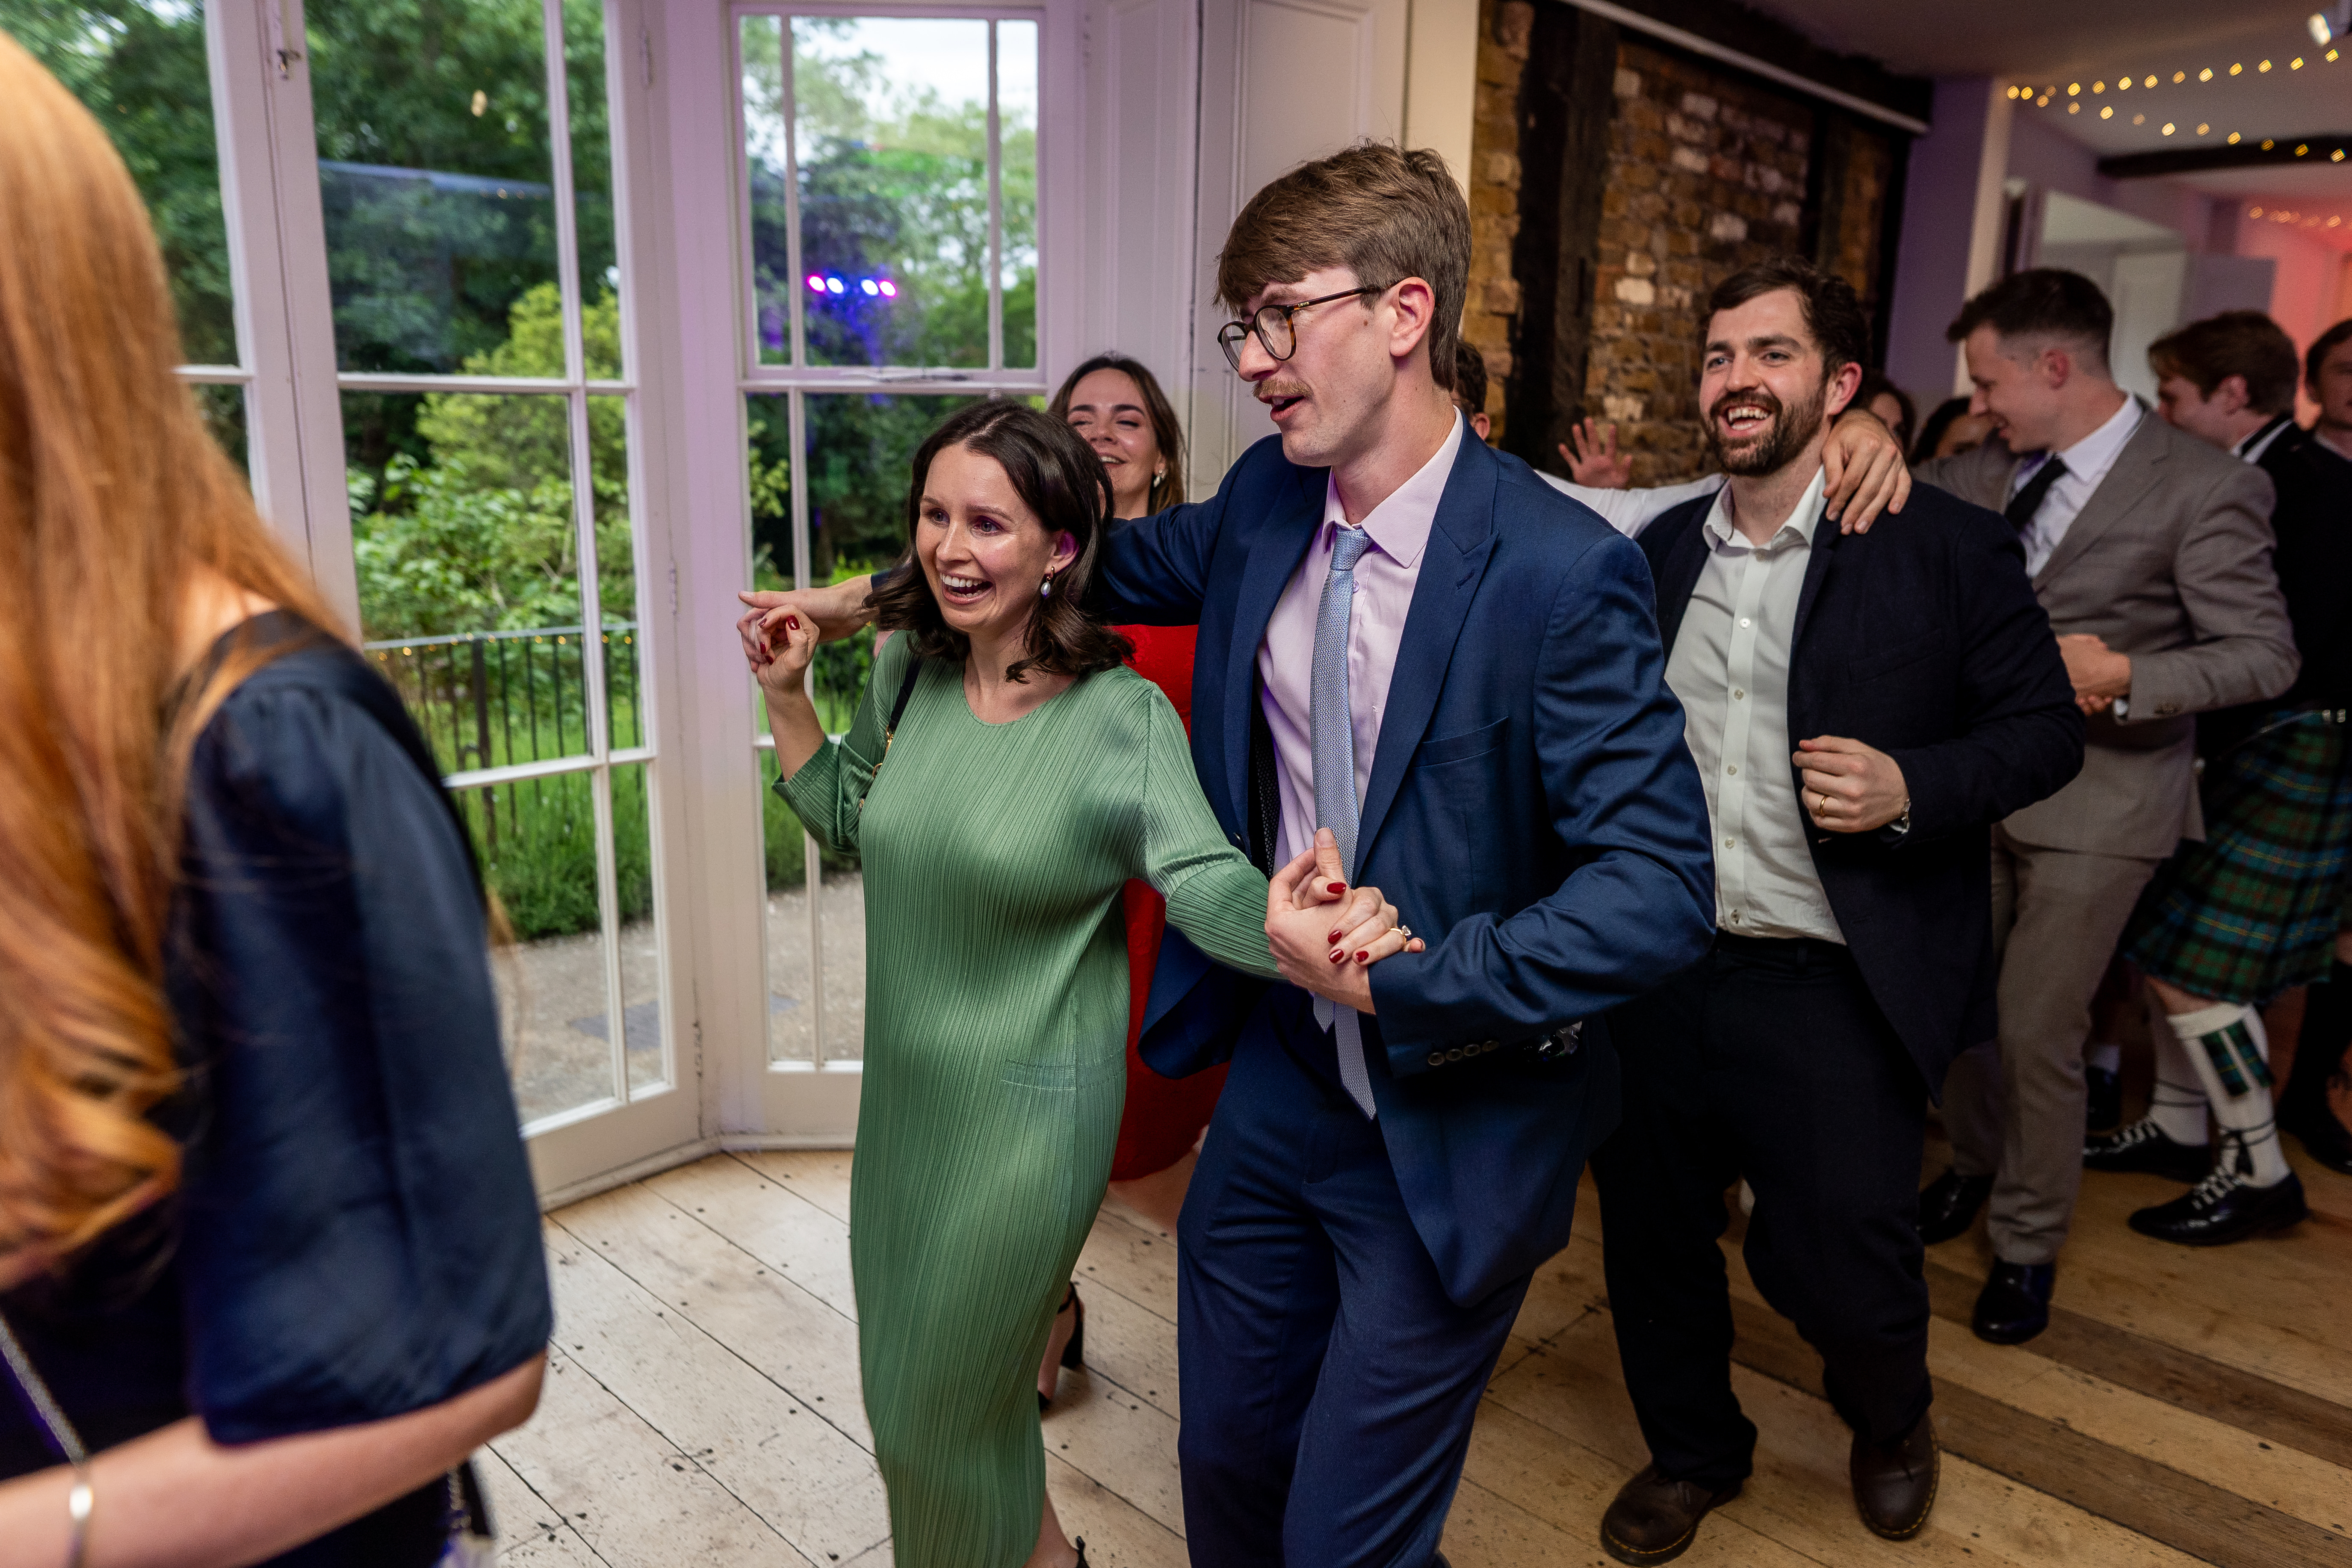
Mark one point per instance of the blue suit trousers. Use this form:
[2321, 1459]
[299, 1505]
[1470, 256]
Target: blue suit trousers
[1330, 1382]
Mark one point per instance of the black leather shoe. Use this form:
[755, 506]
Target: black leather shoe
[1654, 1520]
[2014, 1304]
[2145, 1146]
[2322, 1136]
[2102, 1100]
[1948, 1204]
[1894, 1483]
[2223, 1208]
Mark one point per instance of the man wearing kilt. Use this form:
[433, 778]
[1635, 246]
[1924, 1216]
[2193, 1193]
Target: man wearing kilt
[2229, 923]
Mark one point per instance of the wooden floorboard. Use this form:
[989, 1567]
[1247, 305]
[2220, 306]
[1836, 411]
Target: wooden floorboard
[702, 1402]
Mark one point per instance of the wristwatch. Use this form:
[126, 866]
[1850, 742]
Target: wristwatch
[1901, 824]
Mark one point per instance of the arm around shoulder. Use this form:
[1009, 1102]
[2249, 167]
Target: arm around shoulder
[1622, 797]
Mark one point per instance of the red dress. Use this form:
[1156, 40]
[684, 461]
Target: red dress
[1164, 1116]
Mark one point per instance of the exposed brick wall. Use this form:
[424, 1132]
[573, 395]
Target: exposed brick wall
[1706, 172]
[1493, 296]
[1706, 175]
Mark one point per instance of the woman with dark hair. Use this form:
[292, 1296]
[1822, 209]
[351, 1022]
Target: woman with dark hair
[1116, 403]
[1028, 777]
[270, 1257]
[1950, 431]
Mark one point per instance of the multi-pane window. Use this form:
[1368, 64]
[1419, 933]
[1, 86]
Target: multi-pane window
[465, 177]
[889, 198]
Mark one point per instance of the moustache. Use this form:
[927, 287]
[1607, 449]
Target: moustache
[1268, 391]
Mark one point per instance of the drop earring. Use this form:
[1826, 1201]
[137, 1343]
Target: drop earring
[1046, 589]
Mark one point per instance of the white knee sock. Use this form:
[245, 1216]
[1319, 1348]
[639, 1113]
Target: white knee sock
[2176, 1103]
[2227, 1046]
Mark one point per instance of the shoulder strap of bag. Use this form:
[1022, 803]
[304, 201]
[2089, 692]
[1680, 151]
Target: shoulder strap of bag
[890, 730]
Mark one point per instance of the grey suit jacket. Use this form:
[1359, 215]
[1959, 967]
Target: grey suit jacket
[2170, 563]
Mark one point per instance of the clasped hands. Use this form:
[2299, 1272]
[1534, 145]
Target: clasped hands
[1327, 936]
[2098, 672]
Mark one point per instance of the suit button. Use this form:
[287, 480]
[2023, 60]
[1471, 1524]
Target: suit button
[1491, 1044]
[1437, 1059]
[1455, 1055]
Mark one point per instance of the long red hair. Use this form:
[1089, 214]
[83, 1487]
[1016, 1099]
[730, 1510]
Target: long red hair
[113, 499]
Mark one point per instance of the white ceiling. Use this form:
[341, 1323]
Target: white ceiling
[2086, 43]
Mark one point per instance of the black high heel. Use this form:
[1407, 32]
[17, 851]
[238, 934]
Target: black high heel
[1081, 1544]
[1074, 1356]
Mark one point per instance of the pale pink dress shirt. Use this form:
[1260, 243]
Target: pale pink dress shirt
[1385, 576]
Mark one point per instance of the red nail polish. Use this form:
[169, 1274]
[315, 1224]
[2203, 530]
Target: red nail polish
[1338, 957]
[1335, 887]
[1362, 956]
[794, 622]
[1333, 937]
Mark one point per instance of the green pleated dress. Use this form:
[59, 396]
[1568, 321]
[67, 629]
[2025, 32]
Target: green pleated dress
[996, 1010]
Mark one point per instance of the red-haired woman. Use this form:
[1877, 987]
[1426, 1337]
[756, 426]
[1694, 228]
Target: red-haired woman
[270, 1258]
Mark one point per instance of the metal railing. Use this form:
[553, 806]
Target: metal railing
[489, 700]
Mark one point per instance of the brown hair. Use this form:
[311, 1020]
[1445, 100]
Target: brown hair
[1384, 214]
[1058, 477]
[112, 500]
[2043, 303]
[1832, 311]
[2321, 347]
[1876, 385]
[1166, 433]
[2236, 343]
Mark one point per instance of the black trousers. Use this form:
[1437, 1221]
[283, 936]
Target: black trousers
[1766, 1059]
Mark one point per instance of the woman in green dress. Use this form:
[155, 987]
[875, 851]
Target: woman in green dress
[1029, 776]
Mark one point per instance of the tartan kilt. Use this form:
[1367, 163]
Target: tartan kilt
[2253, 909]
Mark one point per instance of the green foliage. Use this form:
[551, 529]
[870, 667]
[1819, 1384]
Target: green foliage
[479, 533]
[139, 67]
[537, 841]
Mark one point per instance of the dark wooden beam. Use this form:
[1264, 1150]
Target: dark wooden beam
[1566, 98]
[2321, 147]
[1773, 41]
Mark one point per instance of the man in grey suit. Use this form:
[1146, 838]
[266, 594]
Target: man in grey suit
[2151, 553]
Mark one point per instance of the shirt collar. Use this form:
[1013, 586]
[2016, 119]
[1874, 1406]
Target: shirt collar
[2095, 454]
[2252, 448]
[1799, 525]
[1400, 525]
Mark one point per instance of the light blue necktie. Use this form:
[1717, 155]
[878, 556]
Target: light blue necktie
[1336, 806]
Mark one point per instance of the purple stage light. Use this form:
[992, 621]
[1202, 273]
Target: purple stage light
[833, 285]
[865, 286]
[815, 283]
[889, 290]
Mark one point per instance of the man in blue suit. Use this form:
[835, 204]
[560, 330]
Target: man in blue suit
[1411, 641]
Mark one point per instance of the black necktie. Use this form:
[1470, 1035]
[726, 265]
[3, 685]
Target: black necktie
[2027, 501]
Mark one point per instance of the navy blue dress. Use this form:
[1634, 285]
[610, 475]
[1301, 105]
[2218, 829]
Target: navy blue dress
[355, 1235]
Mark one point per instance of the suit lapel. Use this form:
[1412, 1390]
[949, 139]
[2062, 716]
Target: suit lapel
[1820, 562]
[1461, 542]
[1678, 576]
[1273, 556]
[2138, 470]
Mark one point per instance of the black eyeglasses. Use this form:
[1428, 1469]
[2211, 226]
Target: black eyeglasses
[1277, 332]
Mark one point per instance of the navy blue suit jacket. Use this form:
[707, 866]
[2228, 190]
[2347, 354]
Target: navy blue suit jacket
[1532, 811]
[1923, 639]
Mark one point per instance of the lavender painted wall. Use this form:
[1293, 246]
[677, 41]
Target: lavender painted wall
[1931, 269]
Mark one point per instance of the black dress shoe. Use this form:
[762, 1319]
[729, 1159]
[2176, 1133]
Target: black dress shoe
[2145, 1146]
[1948, 1204]
[2322, 1136]
[1654, 1520]
[1894, 1483]
[2014, 1304]
[2223, 1208]
[2102, 1100]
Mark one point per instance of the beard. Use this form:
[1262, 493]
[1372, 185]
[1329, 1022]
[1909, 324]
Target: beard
[1783, 436]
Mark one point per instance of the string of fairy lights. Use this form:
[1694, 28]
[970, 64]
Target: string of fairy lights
[2079, 96]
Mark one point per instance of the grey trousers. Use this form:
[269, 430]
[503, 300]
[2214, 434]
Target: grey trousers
[2015, 1105]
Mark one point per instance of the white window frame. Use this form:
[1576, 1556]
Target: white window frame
[284, 316]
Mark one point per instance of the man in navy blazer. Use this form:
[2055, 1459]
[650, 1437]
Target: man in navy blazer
[1862, 709]
[1399, 1143]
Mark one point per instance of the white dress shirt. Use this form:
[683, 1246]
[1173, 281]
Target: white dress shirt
[2252, 448]
[1631, 512]
[1730, 670]
[2088, 463]
[1385, 576]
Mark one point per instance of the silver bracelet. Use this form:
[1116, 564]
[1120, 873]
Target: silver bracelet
[81, 1502]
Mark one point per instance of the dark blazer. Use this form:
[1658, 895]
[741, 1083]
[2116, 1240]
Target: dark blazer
[1532, 812]
[2313, 520]
[1922, 638]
